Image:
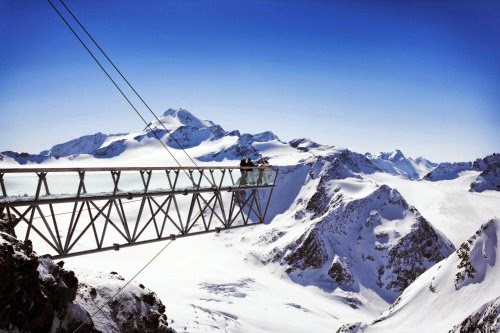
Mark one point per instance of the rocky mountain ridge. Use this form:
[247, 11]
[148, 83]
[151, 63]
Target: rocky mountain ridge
[181, 129]
[377, 241]
[489, 166]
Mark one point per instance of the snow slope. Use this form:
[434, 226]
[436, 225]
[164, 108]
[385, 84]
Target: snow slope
[209, 286]
[484, 319]
[448, 204]
[443, 296]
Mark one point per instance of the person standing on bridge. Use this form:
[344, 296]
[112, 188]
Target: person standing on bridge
[244, 171]
[250, 172]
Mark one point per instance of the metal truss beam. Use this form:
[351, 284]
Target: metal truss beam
[206, 200]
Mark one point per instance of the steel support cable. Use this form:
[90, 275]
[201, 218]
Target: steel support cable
[125, 79]
[122, 288]
[113, 81]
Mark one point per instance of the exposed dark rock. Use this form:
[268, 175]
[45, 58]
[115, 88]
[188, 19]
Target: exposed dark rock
[466, 270]
[484, 319]
[447, 171]
[350, 328]
[38, 295]
[339, 271]
[34, 291]
[310, 253]
[303, 144]
[489, 179]
[82, 145]
[112, 150]
[149, 298]
[24, 158]
[319, 200]
[414, 253]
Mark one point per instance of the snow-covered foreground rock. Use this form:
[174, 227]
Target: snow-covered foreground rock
[38, 295]
[135, 309]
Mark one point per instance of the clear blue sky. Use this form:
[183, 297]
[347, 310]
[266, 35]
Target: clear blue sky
[422, 76]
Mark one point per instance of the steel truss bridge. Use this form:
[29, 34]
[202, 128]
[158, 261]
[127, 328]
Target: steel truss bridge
[76, 211]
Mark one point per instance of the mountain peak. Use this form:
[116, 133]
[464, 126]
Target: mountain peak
[394, 156]
[175, 112]
[174, 118]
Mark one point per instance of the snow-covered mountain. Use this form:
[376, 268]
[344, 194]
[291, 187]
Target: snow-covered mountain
[186, 131]
[209, 142]
[489, 179]
[397, 164]
[377, 242]
[460, 294]
[348, 233]
[447, 171]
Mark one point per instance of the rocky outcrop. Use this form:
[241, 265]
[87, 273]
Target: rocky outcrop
[309, 253]
[448, 171]
[475, 255]
[489, 179]
[414, 254]
[303, 144]
[454, 294]
[38, 295]
[340, 164]
[135, 309]
[484, 319]
[25, 158]
[35, 292]
[112, 150]
[187, 137]
[82, 145]
[351, 328]
[244, 146]
[340, 271]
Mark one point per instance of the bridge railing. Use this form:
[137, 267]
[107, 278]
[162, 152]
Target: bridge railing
[22, 186]
[82, 210]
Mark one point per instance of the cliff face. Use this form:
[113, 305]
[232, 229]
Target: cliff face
[38, 295]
